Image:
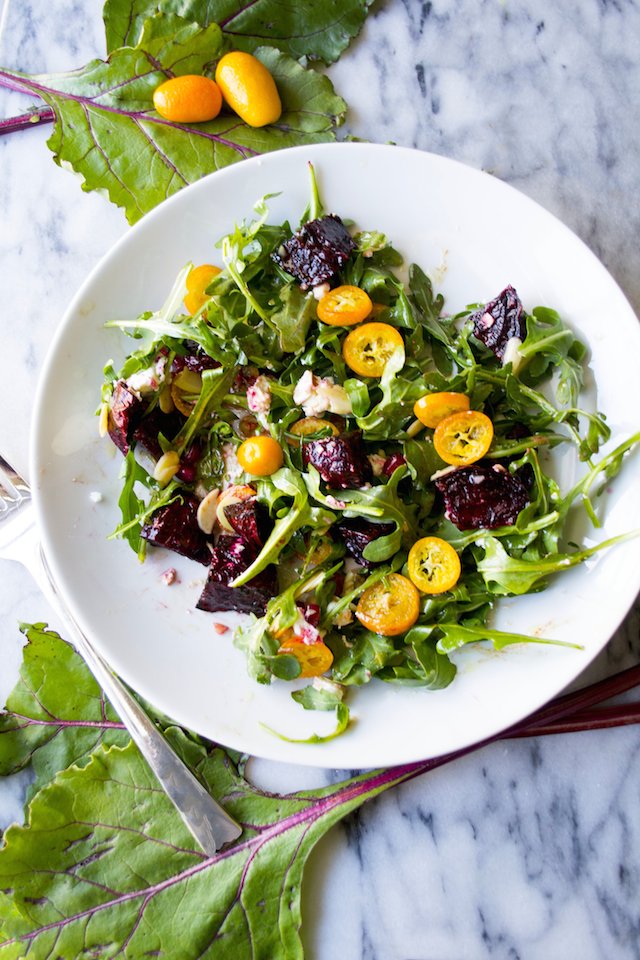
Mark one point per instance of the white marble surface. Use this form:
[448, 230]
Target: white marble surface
[525, 851]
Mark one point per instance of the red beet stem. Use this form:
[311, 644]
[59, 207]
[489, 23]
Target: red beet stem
[601, 718]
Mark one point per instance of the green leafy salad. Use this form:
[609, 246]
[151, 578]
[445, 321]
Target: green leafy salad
[359, 471]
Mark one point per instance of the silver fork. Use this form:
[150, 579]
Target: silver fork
[211, 826]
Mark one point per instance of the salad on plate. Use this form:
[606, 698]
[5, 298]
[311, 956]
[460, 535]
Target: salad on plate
[362, 473]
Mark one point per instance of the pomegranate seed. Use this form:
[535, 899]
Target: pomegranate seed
[186, 473]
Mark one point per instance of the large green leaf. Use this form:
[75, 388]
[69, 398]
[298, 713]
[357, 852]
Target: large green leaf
[105, 866]
[56, 714]
[319, 31]
[107, 130]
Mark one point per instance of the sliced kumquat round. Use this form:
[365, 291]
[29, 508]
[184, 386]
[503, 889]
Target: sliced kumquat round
[191, 98]
[434, 566]
[309, 426]
[368, 348]
[314, 658]
[260, 456]
[185, 390]
[434, 407]
[198, 280]
[343, 306]
[463, 438]
[390, 606]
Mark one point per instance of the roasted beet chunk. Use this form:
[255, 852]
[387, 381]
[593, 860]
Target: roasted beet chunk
[125, 411]
[499, 321]
[231, 557]
[482, 496]
[341, 461]
[196, 360]
[250, 520]
[358, 534]
[154, 423]
[317, 251]
[176, 528]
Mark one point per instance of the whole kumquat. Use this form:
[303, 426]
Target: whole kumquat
[344, 306]
[188, 99]
[248, 88]
[198, 280]
[260, 456]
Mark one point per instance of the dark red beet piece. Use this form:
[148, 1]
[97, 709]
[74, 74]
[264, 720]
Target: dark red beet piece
[231, 556]
[392, 463]
[249, 520]
[499, 321]
[176, 528]
[482, 496]
[317, 251]
[154, 423]
[357, 534]
[125, 412]
[341, 461]
[197, 360]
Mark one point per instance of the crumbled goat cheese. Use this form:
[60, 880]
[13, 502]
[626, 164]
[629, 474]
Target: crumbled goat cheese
[305, 631]
[169, 576]
[335, 503]
[318, 395]
[232, 468]
[259, 395]
[149, 379]
[321, 290]
[96, 497]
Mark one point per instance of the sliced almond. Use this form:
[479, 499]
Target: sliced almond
[206, 515]
[235, 494]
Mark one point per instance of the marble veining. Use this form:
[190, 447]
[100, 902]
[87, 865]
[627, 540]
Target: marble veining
[528, 850]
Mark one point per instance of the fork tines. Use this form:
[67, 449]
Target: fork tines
[13, 488]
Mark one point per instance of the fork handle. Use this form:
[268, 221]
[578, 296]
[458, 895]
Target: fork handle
[211, 826]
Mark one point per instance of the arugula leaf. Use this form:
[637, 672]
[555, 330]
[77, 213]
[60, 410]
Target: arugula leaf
[322, 694]
[300, 28]
[456, 635]
[284, 483]
[294, 318]
[43, 724]
[107, 130]
[506, 575]
[342, 722]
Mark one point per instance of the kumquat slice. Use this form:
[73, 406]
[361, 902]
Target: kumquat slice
[390, 606]
[463, 438]
[434, 566]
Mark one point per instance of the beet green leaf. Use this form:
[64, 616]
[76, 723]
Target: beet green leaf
[56, 714]
[107, 130]
[105, 867]
[319, 31]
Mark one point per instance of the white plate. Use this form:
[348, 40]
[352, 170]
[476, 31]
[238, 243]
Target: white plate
[473, 235]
